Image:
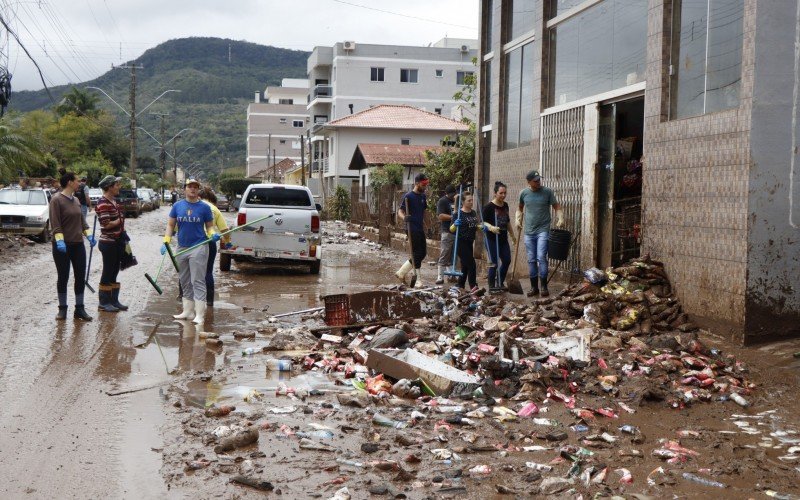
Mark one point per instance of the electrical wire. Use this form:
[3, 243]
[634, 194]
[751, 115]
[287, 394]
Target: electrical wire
[22, 46]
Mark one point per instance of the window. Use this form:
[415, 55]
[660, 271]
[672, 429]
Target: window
[405, 141]
[439, 73]
[279, 197]
[298, 123]
[598, 50]
[461, 76]
[438, 111]
[488, 27]
[283, 120]
[518, 110]
[706, 56]
[409, 76]
[282, 141]
[521, 18]
[558, 7]
[486, 92]
[376, 74]
[285, 101]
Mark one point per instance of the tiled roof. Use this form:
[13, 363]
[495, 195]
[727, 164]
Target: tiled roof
[398, 117]
[368, 155]
[282, 166]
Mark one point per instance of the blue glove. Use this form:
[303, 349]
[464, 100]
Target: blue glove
[215, 237]
[457, 223]
[61, 246]
[226, 246]
[163, 248]
[484, 229]
[92, 241]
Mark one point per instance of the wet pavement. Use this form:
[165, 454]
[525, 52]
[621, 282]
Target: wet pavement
[105, 409]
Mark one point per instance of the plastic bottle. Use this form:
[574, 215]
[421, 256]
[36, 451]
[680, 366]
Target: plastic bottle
[249, 351]
[351, 463]
[385, 421]
[320, 434]
[739, 400]
[701, 480]
[279, 365]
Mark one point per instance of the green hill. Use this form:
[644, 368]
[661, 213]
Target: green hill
[217, 78]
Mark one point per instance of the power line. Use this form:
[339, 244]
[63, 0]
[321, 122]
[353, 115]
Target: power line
[22, 46]
[405, 15]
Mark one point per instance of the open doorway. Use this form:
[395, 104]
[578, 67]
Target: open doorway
[619, 208]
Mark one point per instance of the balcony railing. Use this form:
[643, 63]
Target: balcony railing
[318, 164]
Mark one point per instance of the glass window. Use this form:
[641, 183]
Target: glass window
[518, 106]
[521, 18]
[439, 73]
[598, 50]
[285, 101]
[409, 76]
[461, 76]
[376, 74]
[486, 92]
[298, 123]
[280, 197]
[405, 141]
[488, 28]
[558, 7]
[706, 56]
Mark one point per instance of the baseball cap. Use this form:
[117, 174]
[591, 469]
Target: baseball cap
[450, 189]
[191, 180]
[533, 175]
[108, 181]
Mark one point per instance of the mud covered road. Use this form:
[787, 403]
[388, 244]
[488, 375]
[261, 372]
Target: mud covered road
[86, 413]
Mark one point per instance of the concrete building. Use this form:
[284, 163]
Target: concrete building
[661, 135]
[351, 77]
[274, 125]
[380, 125]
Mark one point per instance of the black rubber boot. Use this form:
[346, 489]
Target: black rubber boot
[62, 313]
[545, 291]
[81, 314]
[534, 291]
[115, 297]
[104, 298]
[209, 295]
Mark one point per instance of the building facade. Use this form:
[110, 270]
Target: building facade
[351, 77]
[275, 125]
[660, 135]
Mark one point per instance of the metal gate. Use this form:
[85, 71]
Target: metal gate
[562, 168]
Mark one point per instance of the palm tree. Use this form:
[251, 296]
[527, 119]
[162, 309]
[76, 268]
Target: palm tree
[78, 102]
[16, 153]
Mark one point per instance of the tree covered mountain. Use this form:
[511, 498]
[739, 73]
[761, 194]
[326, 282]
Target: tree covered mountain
[216, 78]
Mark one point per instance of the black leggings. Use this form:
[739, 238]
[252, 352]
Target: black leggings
[468, 267]
[212, 255]
[419, 248]
[76, 256]
[112, 257]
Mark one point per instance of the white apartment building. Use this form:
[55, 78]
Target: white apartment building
[274, 125]
[350, 77]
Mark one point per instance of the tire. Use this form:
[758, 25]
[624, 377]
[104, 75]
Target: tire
[45, 236]
[314, 267]
[225, 262]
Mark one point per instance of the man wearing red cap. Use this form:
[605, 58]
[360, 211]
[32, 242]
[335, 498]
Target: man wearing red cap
[412, 211]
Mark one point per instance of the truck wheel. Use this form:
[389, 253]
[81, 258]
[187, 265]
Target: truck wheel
[225, 262]
[45, 236]
[314, 267]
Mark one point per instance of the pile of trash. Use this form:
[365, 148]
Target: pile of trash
[11, 244]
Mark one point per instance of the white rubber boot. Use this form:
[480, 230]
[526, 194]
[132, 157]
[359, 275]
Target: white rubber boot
[439, 276]
[418, 284]
[200, 312]
[403, 271]
[188, 310]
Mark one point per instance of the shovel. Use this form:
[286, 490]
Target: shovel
[513, 283]
[452, 271]
[91, 250]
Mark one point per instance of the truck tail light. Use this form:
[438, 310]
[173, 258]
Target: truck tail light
[241, 218]
[312, 251]
[315, 223]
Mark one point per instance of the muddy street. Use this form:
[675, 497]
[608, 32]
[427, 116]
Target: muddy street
[124, 406]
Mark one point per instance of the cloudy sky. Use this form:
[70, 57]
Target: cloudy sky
[77, 40]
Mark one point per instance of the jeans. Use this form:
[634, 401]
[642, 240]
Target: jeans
[212, 255]
[536, 248]
[76, 257]
[84, 211]
[112, 255]
[505, 259]
[446, 254]
[468, 266]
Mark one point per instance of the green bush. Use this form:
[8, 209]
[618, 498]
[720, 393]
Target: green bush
[339, 206]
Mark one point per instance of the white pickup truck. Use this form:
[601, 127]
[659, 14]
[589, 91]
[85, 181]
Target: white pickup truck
[291, 236]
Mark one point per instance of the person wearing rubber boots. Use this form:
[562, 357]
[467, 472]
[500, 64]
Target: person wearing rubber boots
[112, 244]
[194, 220]
[444, 212]
[535, 202]
[414, 216]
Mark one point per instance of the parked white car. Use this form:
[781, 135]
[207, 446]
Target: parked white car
[26, 212]
[291, 236]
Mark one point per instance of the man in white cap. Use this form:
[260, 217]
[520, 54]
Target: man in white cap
[194, 220]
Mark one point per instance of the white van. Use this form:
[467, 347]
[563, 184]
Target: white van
[291, 236]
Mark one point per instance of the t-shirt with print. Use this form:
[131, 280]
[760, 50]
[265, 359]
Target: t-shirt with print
[496, 216]
[191, 219]
[415, 213]
[445, 206]
[469, 224]
[537, 209]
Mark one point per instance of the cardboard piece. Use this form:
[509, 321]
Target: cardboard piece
[408, 363]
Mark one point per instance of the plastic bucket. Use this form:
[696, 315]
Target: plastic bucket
[337, 309]
[558, 244]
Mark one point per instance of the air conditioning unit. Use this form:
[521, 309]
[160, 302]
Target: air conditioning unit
[349, 45]
[465, 48]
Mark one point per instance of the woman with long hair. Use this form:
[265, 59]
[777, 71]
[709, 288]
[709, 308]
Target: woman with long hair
[496, 212]
[69, 228]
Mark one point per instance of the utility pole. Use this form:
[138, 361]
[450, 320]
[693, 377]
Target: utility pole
[302, 160]
[269, 148]
[175, 158]
[132, 105]
[274, 168]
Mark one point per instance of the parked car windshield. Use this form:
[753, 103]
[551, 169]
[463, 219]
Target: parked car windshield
[278, 197]
[20, 197]
[95, 192]
[126, 193]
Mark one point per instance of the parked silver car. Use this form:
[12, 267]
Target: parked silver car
[26, 212]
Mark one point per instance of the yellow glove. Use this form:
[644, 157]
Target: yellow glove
[167, 240]
[491, 228]
[518, 220]
[86, 232]
[559, 218]
[58, 236]
[453, 228]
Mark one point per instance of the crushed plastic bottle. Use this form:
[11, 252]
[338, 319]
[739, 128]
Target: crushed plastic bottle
[249, 351]
[701, 480]
[739, 400]
[279, 365]
[385, 421]
[320, 434]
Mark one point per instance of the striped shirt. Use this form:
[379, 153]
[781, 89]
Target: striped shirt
[108, 211]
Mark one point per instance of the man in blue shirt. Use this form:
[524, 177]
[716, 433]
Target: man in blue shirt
[536, 201]
[412, 211]
[194, 221]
